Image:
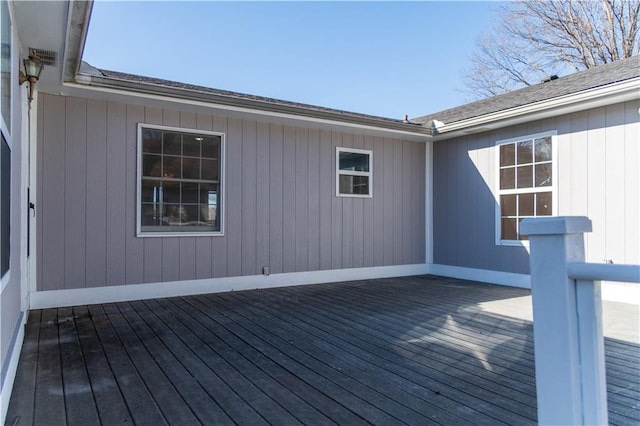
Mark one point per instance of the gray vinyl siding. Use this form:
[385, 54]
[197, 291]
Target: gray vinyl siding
[598, 176]
[280, 205]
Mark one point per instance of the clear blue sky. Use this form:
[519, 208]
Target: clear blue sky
[380, 58]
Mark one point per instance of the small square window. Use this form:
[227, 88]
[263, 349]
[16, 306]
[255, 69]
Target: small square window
[353, 172]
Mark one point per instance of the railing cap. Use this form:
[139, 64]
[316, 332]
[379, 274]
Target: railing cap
[555, 225]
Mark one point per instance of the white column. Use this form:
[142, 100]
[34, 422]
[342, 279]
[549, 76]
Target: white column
[554, 242]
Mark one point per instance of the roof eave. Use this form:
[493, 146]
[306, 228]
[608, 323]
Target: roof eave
[78, 19]
[587, 99]
[258, 106]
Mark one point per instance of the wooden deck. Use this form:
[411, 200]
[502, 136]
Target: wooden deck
[417, 350]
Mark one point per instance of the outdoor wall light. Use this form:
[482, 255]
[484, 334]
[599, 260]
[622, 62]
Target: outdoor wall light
[32, 69]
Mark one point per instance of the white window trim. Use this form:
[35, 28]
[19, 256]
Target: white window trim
[353, 172]
[6, 278]
[222, 174]
[8, 135]
[13, 81]
[497, 192]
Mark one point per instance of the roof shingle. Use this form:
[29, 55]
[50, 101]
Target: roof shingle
[602, 75]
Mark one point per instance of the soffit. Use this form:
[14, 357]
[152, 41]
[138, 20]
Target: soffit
[43, 25]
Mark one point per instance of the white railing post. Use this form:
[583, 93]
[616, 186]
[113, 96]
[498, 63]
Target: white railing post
[592, 368]
[555, 242]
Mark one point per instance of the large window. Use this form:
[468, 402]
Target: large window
[353, 172]
[5, 64]
[5, 142]
[5, 206]
[180, 182]
[525, 183]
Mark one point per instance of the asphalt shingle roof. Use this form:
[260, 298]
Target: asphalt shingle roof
[599, 76]
[241, 96]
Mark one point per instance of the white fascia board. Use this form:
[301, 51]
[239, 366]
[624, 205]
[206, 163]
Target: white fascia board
[285, 117]
[592, 98]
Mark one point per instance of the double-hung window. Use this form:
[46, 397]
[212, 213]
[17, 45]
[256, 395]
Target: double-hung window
[5, 206]
[6, 79]
[525, 183]
[353, 172]
[180, 181]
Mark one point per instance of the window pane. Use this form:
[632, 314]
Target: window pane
[171, 167]
[151, 165]
[209, 203]
[172, 214]
[191, 145]
[508, 205]
[210, 147]
[5, 58]
[509, 229]
[152, 141]
[543, 149]
[525, 177]
[5, 203]
[525, 152]
[525, 204]
[151, 191]
[208, 214]
[508, 178]
[543, 204]
[172, 144]
[191, 168]
[520, 236]
[507, 155]
[170, 192]
[189, 193]
[543, 174]
[358, 185]
[151, 215]
[189, 215]
[210, 169]
[208, 193]
[354, 161]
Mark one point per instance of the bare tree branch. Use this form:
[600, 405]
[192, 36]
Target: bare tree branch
[535, 39]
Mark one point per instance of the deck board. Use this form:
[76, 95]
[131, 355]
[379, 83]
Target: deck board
[415, 350]
[140, 402]
[80, 404]
[365, 346]
[365, 402]
[49, 395]
[112, 408]
[23, 395]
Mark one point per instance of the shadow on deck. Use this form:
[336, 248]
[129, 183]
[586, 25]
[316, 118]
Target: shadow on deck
[415, 350]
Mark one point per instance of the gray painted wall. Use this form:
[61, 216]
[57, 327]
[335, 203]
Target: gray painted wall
[598, 177]
[281, 208]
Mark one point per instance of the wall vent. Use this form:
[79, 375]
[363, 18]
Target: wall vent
[48, 57]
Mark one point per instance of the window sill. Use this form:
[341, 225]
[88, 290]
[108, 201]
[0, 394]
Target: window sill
[513, 243]
[354, 195]
[178, 234]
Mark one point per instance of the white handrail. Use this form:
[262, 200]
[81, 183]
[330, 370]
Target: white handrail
[604, 272]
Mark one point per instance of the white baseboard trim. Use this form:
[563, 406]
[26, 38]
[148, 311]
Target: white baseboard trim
[11, 368]
[611, 291]
[122, 293]
[482, 275]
